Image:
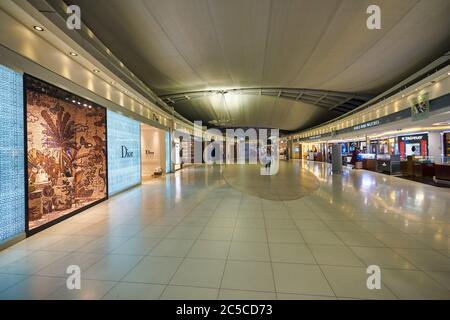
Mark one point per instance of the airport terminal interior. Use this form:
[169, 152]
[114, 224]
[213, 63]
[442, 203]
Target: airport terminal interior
[224, 150]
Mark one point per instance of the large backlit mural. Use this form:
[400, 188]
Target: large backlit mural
[66, 145]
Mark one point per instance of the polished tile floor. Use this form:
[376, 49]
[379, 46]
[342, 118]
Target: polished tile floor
[198, 235]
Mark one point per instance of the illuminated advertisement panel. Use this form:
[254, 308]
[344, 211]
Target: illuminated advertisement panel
[12, 187]
[124, 152]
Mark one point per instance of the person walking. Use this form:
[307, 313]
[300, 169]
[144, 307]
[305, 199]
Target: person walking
[355, 154]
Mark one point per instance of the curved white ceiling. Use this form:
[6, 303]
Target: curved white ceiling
[186, 45]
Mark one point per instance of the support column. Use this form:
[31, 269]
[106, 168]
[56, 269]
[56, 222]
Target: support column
[435, 146]
[336, 158]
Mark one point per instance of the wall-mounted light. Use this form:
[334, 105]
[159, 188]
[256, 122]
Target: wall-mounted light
[38, 28]
[73, 54]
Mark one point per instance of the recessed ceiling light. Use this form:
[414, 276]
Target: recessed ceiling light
[73, 54]
[96, 71]
[73, 101]
[38, 28]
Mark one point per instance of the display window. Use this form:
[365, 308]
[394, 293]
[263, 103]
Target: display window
[352, 146]
[153, 152]
[177, 154]
[124, 152]
[168, 152]
[383, 147]
[413, 145]
[447, 144]
[373, 147]
[187, 150]
[12, 169]
[363, 146]
[66, 153]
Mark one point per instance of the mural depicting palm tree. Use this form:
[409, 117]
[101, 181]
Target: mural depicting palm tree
[60, 134]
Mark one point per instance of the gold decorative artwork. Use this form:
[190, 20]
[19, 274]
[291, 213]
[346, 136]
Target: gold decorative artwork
[66, 144]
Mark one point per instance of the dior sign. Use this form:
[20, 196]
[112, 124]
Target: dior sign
[126, 153]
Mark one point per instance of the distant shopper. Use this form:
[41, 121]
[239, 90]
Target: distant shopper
[355, 154]
[268, 159]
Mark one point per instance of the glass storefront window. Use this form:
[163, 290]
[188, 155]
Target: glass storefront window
[66, 152]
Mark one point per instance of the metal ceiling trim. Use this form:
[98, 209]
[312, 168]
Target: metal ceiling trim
[325, 99]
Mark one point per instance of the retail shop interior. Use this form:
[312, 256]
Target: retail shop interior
[420, 156]
[153, 152]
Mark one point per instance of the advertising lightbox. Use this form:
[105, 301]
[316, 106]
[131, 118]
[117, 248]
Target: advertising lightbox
[124, 152]
[12, 169]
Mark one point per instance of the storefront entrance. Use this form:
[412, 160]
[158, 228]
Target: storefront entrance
[153, 152]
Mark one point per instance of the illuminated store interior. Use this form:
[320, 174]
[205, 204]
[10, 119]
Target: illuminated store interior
[153, 152]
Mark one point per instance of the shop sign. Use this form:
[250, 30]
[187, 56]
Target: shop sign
[419, 141]
[420, 107]
[414, 137]
[367, 125]
[315, 137]
[126, 153]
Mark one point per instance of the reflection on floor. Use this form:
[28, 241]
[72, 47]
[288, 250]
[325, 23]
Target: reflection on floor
[290, 182]
[191, 235]
[427, 180]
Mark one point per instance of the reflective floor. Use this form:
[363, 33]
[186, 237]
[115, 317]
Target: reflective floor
[198, 235]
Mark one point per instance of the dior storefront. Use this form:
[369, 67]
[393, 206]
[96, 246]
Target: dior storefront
[61, 154]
